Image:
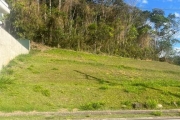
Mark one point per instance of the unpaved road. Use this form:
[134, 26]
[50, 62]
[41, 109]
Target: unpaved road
[100, 115]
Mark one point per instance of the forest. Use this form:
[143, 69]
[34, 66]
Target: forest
[110, 27]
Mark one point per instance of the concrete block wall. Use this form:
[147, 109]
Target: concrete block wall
[9, 48]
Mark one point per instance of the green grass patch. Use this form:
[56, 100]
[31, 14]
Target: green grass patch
[5, 81]
[61, 79]
[151, 104]
[103, 87]
[92, 106]
[157, 113]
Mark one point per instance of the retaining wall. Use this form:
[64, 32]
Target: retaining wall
[9, 48]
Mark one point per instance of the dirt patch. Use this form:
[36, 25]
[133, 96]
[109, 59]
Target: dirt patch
[38, 46]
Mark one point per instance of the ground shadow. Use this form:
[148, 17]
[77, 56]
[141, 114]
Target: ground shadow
[99, 80]
[161, 91]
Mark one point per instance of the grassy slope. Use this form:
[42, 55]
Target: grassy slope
[60, 79]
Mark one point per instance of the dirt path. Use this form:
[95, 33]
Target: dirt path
[86, 113]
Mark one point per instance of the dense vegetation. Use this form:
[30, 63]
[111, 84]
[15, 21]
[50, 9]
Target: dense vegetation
[110, 26]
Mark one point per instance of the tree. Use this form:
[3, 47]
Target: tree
[165, 28]
[100, 26]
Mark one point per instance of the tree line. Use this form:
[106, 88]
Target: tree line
[99, 26]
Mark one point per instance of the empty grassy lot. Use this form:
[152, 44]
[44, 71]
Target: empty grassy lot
[64, 80]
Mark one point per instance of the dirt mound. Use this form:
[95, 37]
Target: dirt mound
[38, 46]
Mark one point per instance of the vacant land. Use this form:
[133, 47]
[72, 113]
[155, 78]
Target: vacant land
[63, 80]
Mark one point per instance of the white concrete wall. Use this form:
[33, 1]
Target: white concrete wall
[9, 48]
[4, 7]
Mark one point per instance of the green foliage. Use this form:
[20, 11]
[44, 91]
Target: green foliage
[54, 68]
[5, 80]
[46, 93]
[175, 60]
[92, 27]
[151, 104]
[128, 104]
[84, 27]
[41, 90]
[37, 88]
[115, 29]
[9, 71]
[93, 106]
[133, 33]
[157, 16]
[178, 103]
[157, 113]
[104, 88]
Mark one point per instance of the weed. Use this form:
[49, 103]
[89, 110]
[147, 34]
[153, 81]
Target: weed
[30, 67]
[101, 81]
[35, 72]
[4, 81]
[11, 63]
[46, 93]
[103, 87]
[54, 69]
[157, 113]
[37, 88]
[128, 103]
[88, 116]
[131, 89]
[21, 59]
[93, 106]
[151, 104]
[178, 103]
[9, 71]
[165, 92]
[40, 89]
[49, 118]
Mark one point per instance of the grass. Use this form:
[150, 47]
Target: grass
[92, 106]
[157, 113]
[61, 79]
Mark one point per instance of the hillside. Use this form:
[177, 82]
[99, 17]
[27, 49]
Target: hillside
[56, 79]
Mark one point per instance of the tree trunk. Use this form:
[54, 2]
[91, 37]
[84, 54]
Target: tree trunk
[50, 34]
[59, 5]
